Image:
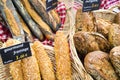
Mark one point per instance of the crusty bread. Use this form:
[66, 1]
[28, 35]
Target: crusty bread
[115, 59]
[86, 42]
[31, 68]
[62, 56]
[25, 69]
[44, 61]
[104, 14]
[98, 65]
[84, 21]
[15, 67]
[114, 35]
[103, 27]
[117, 18]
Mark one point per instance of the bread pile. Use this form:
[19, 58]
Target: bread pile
[99, 52]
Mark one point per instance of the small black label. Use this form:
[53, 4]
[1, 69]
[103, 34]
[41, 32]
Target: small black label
[15, 52]
[51, 4]
[90, 5]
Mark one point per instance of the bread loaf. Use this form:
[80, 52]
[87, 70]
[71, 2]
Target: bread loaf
[42, 25]
[85, 21]
[25, 69]
[44, 61]
[78, 20]
[86, 42]
[115, 59]
[103, 27]
[11, 20]
[117, 18]
[114, 35]
[62, 56]
[30, 67]
[97, 64]
[104, 14]
[15, 67]
[26, 30]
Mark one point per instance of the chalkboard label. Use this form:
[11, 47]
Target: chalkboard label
[51, 4]
[90, 5]
[15, 52]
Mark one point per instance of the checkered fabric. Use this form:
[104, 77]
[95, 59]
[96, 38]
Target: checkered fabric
[4, 33]
[105, 4]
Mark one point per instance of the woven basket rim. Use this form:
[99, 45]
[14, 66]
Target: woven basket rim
[104, 11]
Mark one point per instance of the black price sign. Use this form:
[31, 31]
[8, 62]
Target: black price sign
[51, 4]
[16, 52]
[90, 5]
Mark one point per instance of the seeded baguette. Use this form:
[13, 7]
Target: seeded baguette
[62, 56]
[44, 61]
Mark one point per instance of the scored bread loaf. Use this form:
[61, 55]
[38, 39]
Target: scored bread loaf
[117, 18]
[11, 20]
[62, 57]
[78, 19]
[115, 59]
[85, 21]
[114, 35]
[15, 67]
[30, 67]
[98, 65]
[26, 29]
[104, 14]
[25, 69]
[45, 28]
[86, 42]
[103, 27]
[44, 61]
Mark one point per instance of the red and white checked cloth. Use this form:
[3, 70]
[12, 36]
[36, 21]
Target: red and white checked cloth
[61, 9]
[4, 33]
[105, 4]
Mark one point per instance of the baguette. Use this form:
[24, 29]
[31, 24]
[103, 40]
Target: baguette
[42, 25]
[26, 30]
[11, 20]
[27, 18]
[40, 9]
[44, 61]
[53, 16]
[15, 67]
[56, 19]
[30, 68]
[62, 56]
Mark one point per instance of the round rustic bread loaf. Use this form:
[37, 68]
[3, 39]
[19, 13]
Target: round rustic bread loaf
[115, 59]
[114, 35]
[86, 42]
[117, 18]
[104, 14]
[103, 27]
[97, 64]
[84, 21]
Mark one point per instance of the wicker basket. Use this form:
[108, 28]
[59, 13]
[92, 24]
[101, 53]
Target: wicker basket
[78, 71]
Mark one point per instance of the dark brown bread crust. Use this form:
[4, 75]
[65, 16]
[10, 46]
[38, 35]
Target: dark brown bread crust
[98, 65]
